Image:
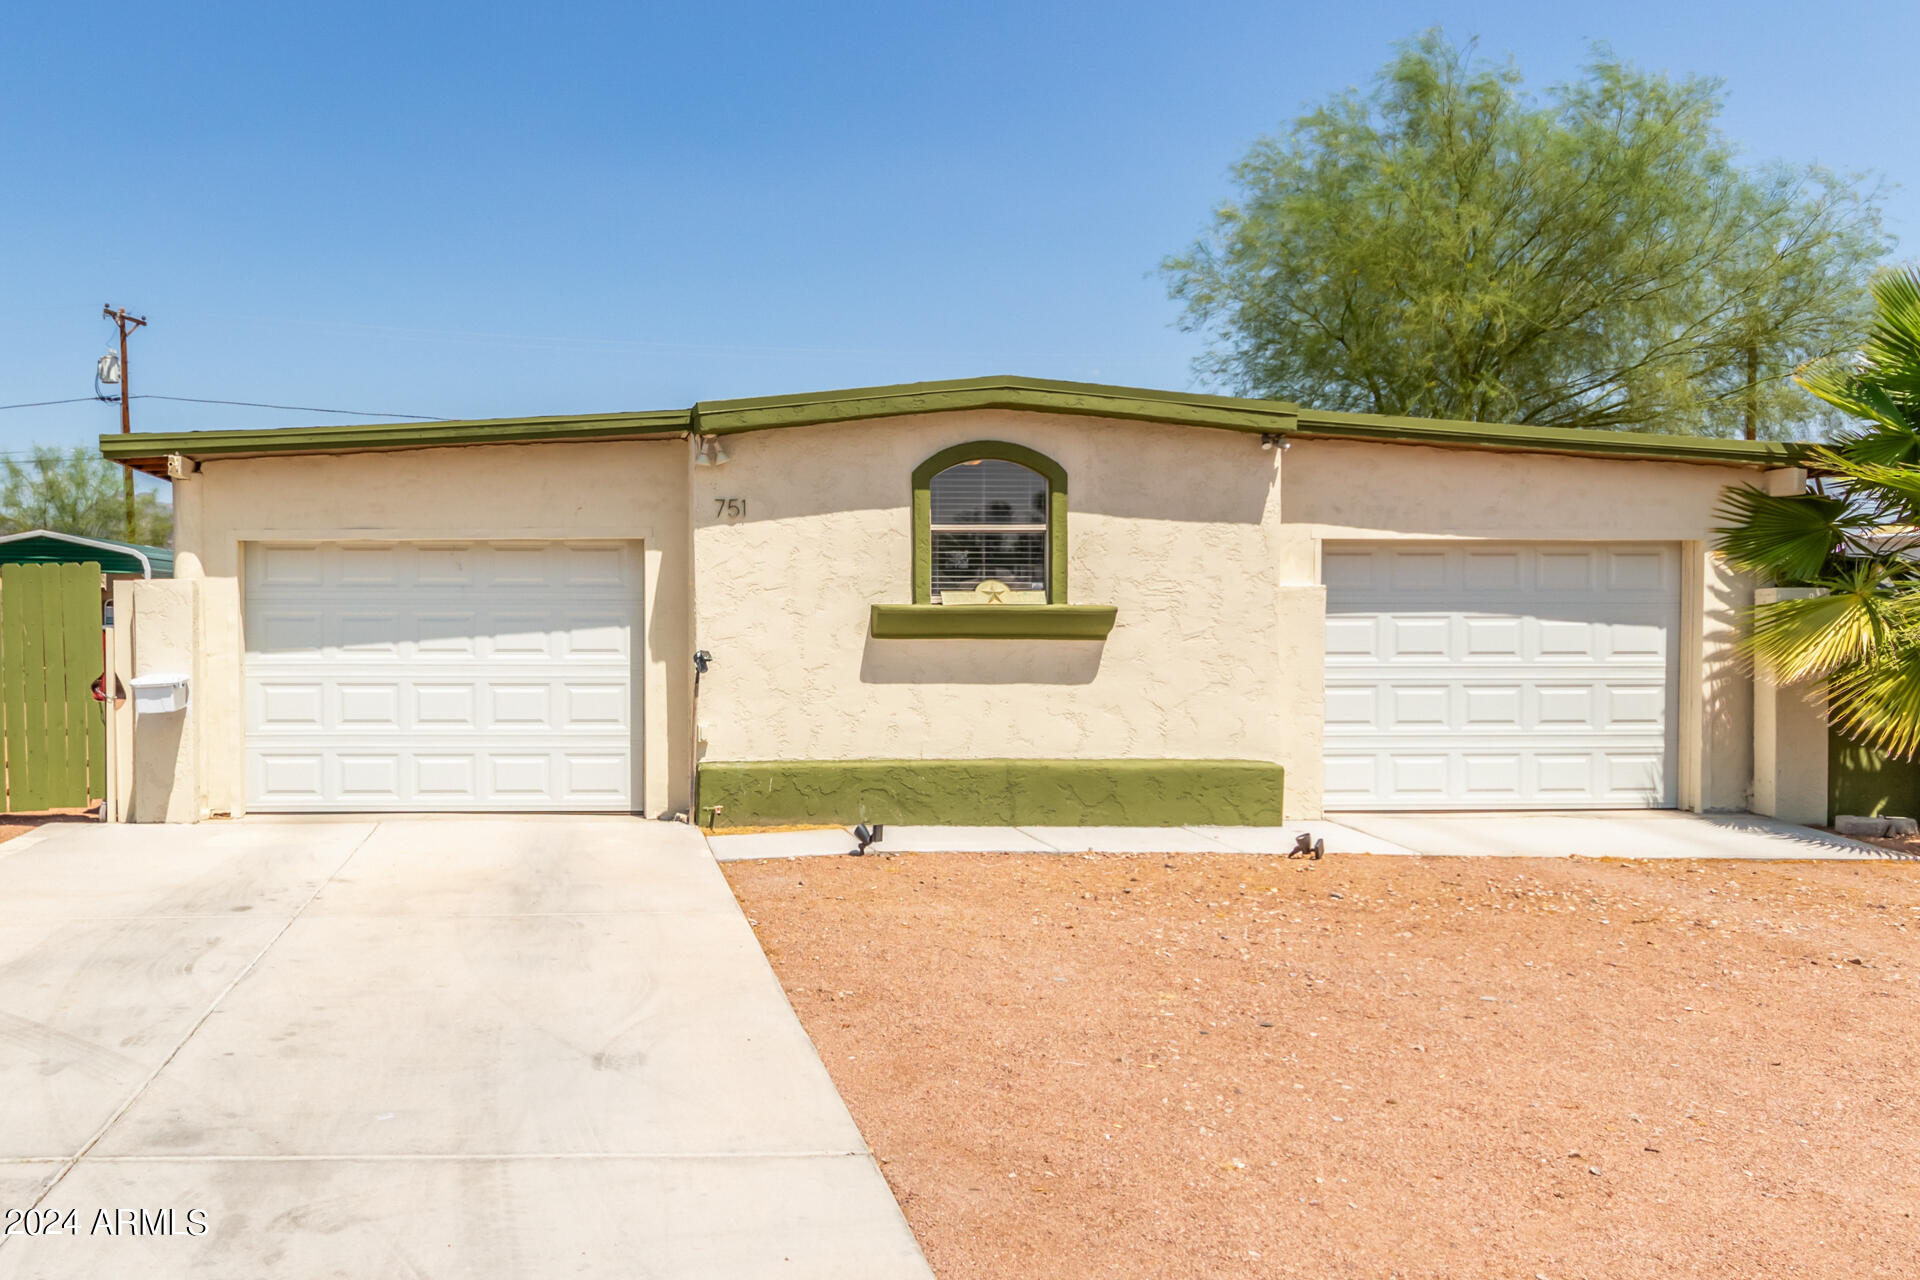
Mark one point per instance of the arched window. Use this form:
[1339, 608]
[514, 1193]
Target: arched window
[990, 527]
[989, 530]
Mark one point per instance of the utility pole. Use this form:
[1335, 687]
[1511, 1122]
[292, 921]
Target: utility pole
[127, 324]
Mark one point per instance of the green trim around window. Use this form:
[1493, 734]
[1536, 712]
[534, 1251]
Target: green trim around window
[993, 621]
[1071, 793]
[1033, 460]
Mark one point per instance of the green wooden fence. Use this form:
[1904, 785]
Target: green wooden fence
[54, 735]
[1861, 780]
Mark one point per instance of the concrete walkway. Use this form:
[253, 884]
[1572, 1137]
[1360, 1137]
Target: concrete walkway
[475, 1048]
[1625, 833]
[1636, 833]
[836, 841]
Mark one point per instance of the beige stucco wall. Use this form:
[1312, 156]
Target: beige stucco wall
[613, 490]
[1173, 526]
[165, 617]
[1336, 490]
[1789, 739]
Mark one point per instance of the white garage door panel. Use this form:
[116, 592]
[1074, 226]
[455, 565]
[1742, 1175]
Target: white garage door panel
[420, 676]
[1501, 676]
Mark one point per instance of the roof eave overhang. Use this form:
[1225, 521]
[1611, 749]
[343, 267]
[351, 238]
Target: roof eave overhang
[1626, 445]
[149, 451]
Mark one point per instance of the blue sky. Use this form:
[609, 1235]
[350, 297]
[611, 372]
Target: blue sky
[491, 210]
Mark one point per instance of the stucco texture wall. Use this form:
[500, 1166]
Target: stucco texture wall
[1338, 490]
[1173, 526]
[612, 490]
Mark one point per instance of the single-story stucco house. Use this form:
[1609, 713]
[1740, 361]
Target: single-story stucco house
[985, 601]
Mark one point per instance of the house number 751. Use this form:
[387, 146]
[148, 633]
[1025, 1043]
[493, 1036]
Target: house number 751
[729, 507]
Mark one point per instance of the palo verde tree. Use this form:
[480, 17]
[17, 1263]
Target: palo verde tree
[1854, 537]
[76, 491]
[1450, 245]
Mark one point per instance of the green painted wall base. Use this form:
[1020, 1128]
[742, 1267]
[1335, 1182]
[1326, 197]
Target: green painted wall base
[1132, 793]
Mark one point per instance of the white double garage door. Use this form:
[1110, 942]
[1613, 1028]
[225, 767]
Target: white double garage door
[441, 675]
[1501, 676]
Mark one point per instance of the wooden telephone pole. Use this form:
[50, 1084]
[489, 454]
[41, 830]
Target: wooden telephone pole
[127, 324]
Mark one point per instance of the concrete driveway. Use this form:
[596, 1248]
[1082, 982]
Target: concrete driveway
[427, 1048]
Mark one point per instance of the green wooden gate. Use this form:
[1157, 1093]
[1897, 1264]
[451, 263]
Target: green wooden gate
[54, 734]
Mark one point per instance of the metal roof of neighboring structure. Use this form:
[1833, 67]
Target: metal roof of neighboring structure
[47, 546]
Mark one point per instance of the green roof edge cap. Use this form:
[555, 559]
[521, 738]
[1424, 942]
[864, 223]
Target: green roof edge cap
[1500, 435]
[403, 435]
[1084, 399]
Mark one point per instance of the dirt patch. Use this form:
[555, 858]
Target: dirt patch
[13, 825]
[1211, 1065]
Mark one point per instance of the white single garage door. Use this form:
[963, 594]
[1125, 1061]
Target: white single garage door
[1501, 676]
[441, 675]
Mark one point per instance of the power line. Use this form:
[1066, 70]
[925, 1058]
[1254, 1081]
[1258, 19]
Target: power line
[41, 404]
[297, 408]
[244, 404]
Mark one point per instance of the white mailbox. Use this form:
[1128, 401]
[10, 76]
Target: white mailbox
[155, 693]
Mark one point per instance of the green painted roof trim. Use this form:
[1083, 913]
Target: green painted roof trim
[148, 450]
[1496, 435]
[1083, 399]
[148, 445]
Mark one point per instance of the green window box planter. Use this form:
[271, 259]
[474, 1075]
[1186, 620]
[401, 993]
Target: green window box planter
[993, 621]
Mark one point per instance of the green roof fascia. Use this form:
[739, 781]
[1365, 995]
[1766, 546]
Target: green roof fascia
[394, 435]
[1593, 442]
[728, 417]
[763, 413]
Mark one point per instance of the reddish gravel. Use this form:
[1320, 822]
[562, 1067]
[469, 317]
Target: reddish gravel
[1225, 1066]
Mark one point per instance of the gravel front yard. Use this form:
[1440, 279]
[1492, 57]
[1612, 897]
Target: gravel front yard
[1214, 1065]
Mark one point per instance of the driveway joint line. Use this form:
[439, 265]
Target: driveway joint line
[13, 920]
[455, 1157]
[193, 1030]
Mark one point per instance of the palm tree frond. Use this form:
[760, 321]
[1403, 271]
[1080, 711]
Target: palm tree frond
[1846, 383]
[1877, 441]
[1892, 352]
[1783, 538]
[1878, 703]
[1863, 637]
[1805, 639]
[1881, 492]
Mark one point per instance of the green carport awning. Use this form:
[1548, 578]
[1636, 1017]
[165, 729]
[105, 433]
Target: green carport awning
[44, 546]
